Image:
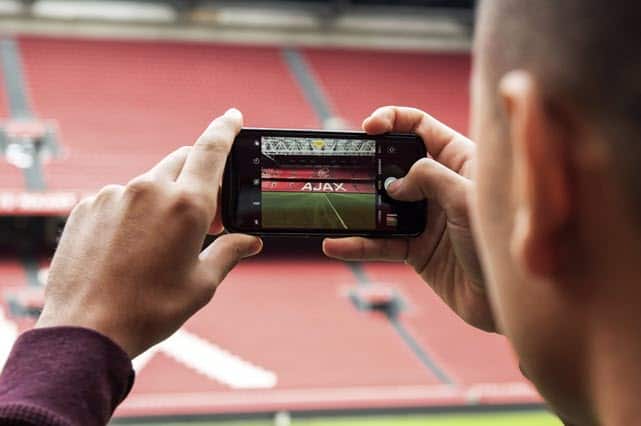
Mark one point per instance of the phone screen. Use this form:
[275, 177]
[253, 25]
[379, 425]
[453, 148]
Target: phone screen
[322, 182]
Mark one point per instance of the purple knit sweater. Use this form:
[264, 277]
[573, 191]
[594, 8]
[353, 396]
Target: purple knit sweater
[63, 376]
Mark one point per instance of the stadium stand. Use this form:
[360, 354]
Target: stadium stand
[11, 274]
[450, 340]
[116, 118]
[363, 345]
[357, 82]
[282, 332]
[306, 331]
[325, 173]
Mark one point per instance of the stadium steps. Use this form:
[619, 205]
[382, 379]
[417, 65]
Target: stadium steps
[470, 355]
[357, 82]
[10, 176]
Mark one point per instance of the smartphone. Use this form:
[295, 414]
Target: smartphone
[318, 183]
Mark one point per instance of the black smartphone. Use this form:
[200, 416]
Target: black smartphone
[318, 183]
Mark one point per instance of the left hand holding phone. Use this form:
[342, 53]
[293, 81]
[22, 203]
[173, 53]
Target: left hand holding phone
[129, 264]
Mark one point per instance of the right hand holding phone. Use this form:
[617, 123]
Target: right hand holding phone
[129, 264]
[444, 255]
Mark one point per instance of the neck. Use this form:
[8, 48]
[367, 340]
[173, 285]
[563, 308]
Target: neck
[615, 376]
[614, 350]
[609, 278]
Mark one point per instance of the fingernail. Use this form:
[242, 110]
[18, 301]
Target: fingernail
[391, 184]
[256, 248]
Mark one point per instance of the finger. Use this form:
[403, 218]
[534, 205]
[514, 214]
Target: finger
[443, 143]
[358, 248]
[393, 119]
[216, 226]
[428, 179]
[170, 167]
[224, 253]
[205, 164]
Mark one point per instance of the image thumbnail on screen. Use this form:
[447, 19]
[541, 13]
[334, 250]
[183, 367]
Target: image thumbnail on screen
[317, 183]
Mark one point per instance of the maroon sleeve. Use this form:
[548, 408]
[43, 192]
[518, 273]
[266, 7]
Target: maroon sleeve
[63, 376]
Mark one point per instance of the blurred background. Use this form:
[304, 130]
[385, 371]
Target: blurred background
[95, 92]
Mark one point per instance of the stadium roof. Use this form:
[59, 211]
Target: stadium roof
[404, 24]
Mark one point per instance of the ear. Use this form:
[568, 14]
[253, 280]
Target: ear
[540, 176]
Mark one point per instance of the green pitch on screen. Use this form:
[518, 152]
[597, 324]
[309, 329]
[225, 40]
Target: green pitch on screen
[320, 210]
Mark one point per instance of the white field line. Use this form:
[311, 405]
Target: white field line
[141, 360]
[211, 361]
[333, 208]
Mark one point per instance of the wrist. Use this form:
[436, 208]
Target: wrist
[61, 321]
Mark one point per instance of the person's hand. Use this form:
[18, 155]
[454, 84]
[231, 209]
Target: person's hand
[444, 255]
[129, 264]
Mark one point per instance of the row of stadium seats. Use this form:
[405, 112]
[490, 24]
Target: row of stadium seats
[316, 173]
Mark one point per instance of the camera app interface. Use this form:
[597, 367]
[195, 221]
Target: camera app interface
[318, 183]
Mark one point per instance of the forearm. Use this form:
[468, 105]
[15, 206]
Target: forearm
[63, 376]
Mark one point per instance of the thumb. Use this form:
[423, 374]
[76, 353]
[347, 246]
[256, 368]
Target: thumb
[220, 257]
[429, 179]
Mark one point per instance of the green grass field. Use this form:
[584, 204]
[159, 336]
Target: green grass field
[524, 418]
[319, 210]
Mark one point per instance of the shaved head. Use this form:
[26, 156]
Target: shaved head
[586, 54]
[556, 114]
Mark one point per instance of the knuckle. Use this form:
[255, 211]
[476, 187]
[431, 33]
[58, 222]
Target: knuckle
[422, 166]
[141, 188]
[419, 112]
[421, 172]
[83, 205]
[108, 192]
[383, 109]
[189, 207]
[182, 152]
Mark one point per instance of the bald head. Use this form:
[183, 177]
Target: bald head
[586, 54]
